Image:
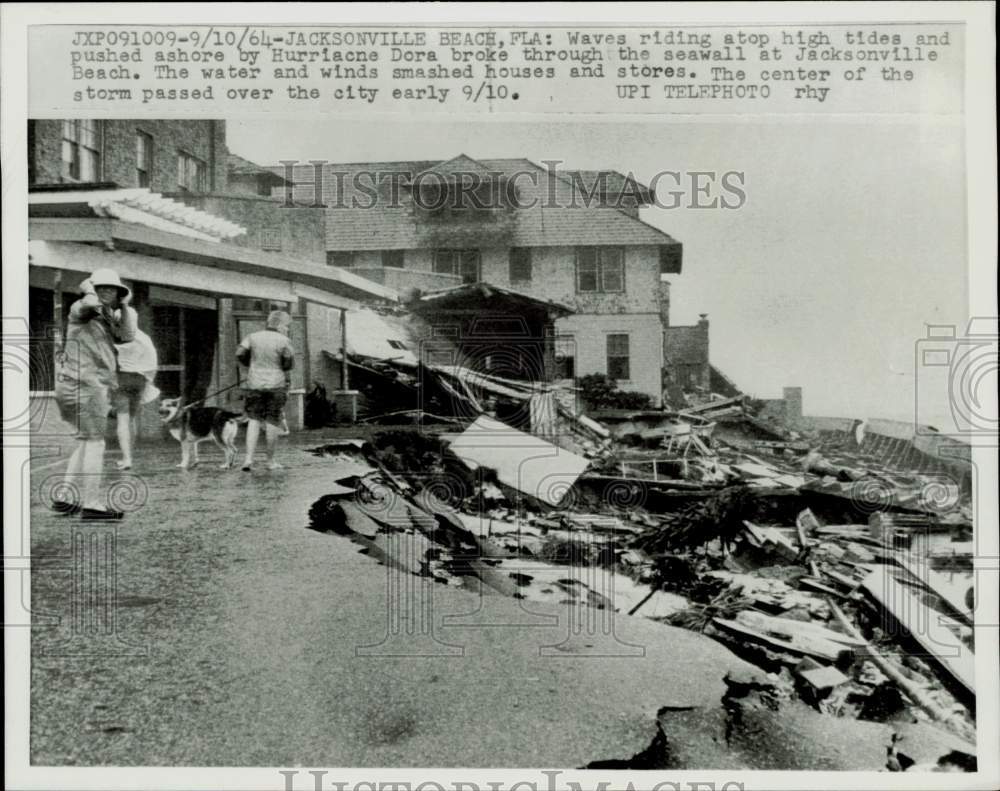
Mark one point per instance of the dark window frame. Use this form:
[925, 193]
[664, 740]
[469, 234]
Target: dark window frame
[615, 356]
[565, 361]
[348, 258]
[393, 259]
[520, 264]
[593, 276]
[192, 172]
[81, 139]
[466, 263]
[143, 158]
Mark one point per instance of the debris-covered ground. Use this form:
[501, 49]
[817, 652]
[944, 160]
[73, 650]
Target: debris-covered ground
[843, 578]
[644, 603]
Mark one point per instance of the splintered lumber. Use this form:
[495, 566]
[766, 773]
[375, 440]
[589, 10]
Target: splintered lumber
[781, 636]
[768, 537]
[908, 688]
[806, 629]
[813, 584]
[924, 625]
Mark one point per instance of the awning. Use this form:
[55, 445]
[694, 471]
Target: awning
[138, 206]
[145, 240]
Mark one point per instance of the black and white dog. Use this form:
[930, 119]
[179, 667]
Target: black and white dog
[193, 425]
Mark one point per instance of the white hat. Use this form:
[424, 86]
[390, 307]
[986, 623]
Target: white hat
[108, 277]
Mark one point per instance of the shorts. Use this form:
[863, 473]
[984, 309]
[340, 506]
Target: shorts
[84, 406]
[266, 405]
[128, 396]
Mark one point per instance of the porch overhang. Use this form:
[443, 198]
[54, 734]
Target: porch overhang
[115, 234]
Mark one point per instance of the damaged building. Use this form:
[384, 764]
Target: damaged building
[572, 238]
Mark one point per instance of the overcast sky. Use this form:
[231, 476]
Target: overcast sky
[852, 238]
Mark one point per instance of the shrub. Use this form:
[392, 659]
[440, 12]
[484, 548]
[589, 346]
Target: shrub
[599, 392]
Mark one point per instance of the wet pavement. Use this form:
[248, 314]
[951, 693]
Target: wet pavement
[229, 634]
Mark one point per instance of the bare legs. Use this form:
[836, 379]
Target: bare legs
[271, 434]
[126, 427]
[253, 432]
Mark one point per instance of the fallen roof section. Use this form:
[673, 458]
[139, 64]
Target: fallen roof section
[522, 461]
[467, 296]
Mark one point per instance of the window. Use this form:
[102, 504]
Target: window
[520, 264]
[270, 238]
[81, 150]
[396, 344]
[143, 158]
[464, 263]
[392, 258]
[341, 258]
[565, 349]
[618, 360]
[191, 173]
[600, 269]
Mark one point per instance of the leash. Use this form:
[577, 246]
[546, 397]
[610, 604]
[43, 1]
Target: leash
[205, 398]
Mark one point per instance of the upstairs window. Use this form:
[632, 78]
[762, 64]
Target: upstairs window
[341, 258]
[392, 259]
[618, 356]
[191, 173]
[464, 263]
[600, 269]
[81, 150]
[143, 158]
[520, 264]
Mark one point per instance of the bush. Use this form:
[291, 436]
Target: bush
[599, 392]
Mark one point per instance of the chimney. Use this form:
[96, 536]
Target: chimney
[793, 402]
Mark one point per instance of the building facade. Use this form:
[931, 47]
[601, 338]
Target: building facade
[188, 227]
[573, 238]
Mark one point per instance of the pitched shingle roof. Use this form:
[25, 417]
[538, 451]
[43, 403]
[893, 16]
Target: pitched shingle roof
[369, 207]
[611, 182]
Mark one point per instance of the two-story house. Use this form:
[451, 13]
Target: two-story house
[569, 237]
[164, 204]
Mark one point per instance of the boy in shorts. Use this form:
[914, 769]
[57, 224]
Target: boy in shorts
[269, 356]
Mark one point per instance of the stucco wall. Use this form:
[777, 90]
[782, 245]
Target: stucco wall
[590, 333]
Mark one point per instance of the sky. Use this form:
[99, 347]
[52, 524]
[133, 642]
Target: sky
[851, 240]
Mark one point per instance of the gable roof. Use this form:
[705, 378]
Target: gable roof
[361, 217]
[460, 164]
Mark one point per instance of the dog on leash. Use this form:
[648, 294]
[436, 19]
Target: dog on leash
[193, 425]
